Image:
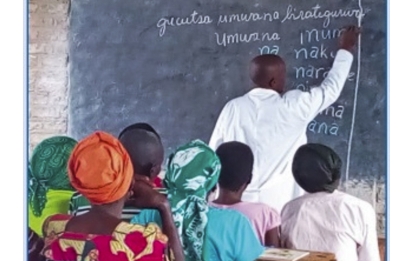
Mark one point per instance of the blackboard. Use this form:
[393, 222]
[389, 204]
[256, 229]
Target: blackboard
[174, 64]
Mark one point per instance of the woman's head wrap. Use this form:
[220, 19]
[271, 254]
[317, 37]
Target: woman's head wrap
[317, 168]
[48, 170]
[100, 168]
[192, 171]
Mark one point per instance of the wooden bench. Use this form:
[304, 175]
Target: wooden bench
[315, 256]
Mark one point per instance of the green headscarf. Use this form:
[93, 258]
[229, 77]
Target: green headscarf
[48, 170]
[192, 171]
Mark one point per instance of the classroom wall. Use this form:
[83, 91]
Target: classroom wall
[48, 90]
[48, 82]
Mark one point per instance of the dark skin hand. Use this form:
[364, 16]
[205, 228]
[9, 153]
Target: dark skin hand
[349, 38]
[272, 237]
[146, 197]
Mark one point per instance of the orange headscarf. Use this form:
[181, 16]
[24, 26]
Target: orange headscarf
[100, 168]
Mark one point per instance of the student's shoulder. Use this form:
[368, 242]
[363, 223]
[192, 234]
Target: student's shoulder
[293, 207]
[354, 203]
[220, 215]
[260, 207]
[147, 215]
[149, 212]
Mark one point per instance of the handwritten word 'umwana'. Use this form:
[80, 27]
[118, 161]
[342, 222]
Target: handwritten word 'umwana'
[315, 13]
[194, 18]
[318, 35]
[249, 17]
[323, 128]
[226, 39]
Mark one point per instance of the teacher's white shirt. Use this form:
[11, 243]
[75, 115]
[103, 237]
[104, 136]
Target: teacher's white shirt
[274, 126]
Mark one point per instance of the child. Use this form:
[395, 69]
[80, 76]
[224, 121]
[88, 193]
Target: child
[236, 173]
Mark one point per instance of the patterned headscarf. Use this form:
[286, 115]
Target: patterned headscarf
[48, 170]
[316, 168]
[100, 168]
[192, 171]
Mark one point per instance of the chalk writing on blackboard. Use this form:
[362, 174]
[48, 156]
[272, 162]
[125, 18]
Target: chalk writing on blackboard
[266, 49]
[323, 128]
[316, 13]
[226, 39]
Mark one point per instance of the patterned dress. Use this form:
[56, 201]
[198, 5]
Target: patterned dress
[128, 242]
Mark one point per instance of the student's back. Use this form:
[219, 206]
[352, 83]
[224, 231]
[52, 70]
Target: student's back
[228, 235]
[236, 173]
[326, 219]
[331, 222]
[206, 233]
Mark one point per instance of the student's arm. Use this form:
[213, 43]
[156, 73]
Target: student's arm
[308, 104]
[146, 197]
[272, 237]
[369, 249]
[271, 223]
[248, 246]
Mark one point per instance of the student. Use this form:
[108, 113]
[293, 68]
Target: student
[236, 168]
[326, 219]
[146, 150]
[145, 126]
[274, 122]
[206, 233]
[49, 187]
[147, 154]
[101, 170]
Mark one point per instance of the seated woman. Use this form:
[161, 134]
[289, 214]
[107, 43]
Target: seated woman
[146, 152]
[326, 219]
[49, 187]
[206, 233]
[101, 170]
[236, 172]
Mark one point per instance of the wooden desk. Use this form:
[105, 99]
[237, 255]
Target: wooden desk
[315, 256]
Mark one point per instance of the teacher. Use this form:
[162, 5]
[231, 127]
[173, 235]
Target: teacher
[273, 122]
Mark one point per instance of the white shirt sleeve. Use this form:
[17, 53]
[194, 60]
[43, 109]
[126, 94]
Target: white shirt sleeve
[308, 104]
[217, 137]
[369, 249]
